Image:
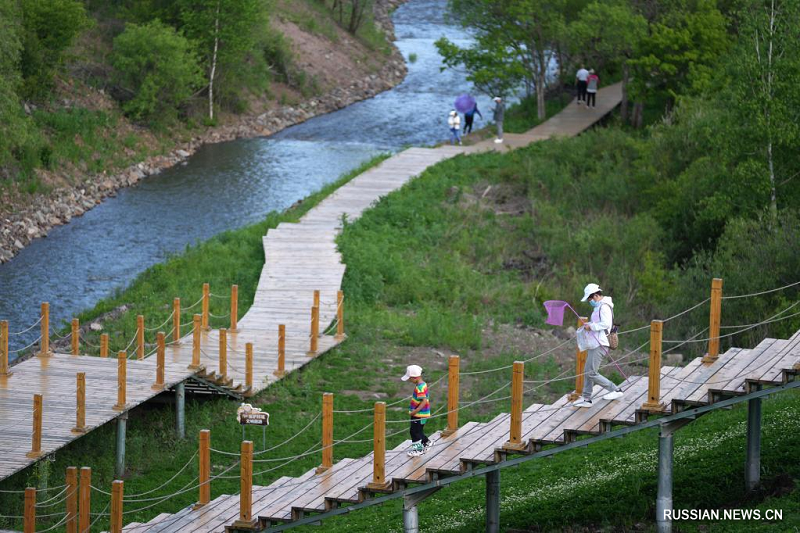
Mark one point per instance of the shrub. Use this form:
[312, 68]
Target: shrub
[158, 67]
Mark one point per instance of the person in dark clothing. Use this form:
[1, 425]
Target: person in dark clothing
[469, 116]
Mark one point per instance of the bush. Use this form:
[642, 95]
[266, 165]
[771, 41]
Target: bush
[49, 29]
[158, 67]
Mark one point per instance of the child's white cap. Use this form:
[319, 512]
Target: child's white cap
[412, 371]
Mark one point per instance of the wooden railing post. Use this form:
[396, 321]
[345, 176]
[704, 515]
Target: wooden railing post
[653, 402]
[339, 315]
[72, 499]
[245, 520]
[75, 336]
[452, 396]
[206, 296]
[580, 366]
[204, 455]
[85, 507]
[312, 351]
[4, 368]
[223, 354]
[160, 356]
[714, 321]
[122, 378]
[196, 325]
[80, 403]
[45, 329]
[140, 337]
[248, 365]
[327, 433]
[36, 437]
[117, 489]
[515, 434]
[234, 308]
[176, 319]
[281, 371]
[316, 299]
[29, 523]
[104, 345]
[379, 453]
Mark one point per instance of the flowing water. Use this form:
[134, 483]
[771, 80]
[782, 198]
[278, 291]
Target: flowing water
[229, 185]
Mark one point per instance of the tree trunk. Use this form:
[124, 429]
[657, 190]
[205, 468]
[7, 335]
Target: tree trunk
[541, 108]
[773, 201]
[213, 68]
[638, 115]
[623, 110]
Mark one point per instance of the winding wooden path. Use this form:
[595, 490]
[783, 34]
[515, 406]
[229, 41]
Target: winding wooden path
[299, 259]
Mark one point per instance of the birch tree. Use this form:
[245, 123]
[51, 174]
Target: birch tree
[764, 88]
[224, 32]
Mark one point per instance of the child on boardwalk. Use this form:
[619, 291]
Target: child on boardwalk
[419, 409]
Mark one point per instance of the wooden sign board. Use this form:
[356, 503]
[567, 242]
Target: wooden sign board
[254, 419]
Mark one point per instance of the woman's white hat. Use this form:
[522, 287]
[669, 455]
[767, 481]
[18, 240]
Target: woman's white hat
[452, 113]
[589, 290]
[497, 98]
[412, 371]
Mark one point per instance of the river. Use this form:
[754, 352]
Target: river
[229, 185]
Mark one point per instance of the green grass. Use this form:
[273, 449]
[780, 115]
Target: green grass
[444, 264]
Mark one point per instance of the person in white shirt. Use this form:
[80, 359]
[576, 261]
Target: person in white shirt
[454, 122]
[593, 338]
[581, 78]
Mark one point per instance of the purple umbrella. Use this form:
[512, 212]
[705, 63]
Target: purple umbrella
[465, 103]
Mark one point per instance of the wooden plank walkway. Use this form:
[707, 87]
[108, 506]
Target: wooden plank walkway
[288, 499]
[299, 258]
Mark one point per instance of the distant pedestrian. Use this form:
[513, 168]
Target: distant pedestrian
[469, 117]
[593, 337]
[591, 88]
[580, 81]
[499, 111]
[454, 121]
[420, 411]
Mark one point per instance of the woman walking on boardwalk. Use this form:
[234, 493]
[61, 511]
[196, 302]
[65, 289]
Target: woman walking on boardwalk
[593, 337]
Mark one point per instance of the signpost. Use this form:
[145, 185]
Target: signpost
[247, 415]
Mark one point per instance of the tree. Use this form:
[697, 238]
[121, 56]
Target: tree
[493, 72]
[158, 67]
[612, 31]
[762, 82]
[683, 46]
[15, 130]
[49, 29]
[511, 36]
[224, 33]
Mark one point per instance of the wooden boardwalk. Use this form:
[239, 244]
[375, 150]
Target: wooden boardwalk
[772, 362]
[299, 259]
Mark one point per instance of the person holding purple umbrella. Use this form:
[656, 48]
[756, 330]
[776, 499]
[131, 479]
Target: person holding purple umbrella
[469, 117]
[593, 337]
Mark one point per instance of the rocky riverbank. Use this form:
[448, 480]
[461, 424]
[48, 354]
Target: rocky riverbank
[34, 220]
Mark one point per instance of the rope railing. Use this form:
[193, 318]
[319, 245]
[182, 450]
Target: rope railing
[26, 330]
[753, 294]
[28, 346]
[744, 328]
[46, 503]
[167, 482]
[282, 443]
[162, 324]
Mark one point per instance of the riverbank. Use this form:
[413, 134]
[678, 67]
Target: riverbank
[28, 216]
